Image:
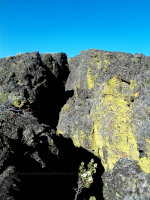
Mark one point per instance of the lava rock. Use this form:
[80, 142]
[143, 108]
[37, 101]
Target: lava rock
[27, 96]
[103, 107]
[127, 180]
[8, 180]
[109, 116]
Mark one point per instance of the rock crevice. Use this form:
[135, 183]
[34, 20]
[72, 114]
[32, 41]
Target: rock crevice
[55, 114]
[109, 116]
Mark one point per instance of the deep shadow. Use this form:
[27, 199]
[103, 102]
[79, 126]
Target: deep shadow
[59, 177]
[51, 97]
[74, 156]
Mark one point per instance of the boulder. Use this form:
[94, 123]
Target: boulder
[109, 115]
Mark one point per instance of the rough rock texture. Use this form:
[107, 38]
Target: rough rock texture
[28, 84]
[103, 107]
[30, 81]
[109, 115]
[34, 161]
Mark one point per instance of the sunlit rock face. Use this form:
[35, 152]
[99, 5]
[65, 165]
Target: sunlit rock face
[109, 115]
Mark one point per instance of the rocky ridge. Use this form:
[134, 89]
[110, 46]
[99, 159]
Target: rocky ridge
[99, 101]
[109, 115]
[29, 108]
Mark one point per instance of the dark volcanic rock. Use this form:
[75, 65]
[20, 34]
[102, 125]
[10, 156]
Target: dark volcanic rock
[28, 82]
[21, 76]
[53, 115]
[109, 115]
[8, 181]
[127, 180]
[30, 93]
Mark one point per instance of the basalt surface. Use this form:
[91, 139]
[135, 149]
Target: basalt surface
[109, 115]
[27, 85]
[34, 162]
[55, 114]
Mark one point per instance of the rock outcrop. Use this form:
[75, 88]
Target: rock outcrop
[55, 114]
[109, 115]
[29, 109]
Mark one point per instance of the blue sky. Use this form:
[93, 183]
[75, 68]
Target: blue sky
[73, 25]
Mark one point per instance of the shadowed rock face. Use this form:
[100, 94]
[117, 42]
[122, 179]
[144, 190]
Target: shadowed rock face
[34, 161]
[53, 115]
[30, 81]
[109, 115]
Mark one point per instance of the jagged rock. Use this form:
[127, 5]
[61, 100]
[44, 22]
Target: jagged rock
[21, 77]
[8, 181]
[28, 82]
[127, 181]
[56, 62]
[27, 99]
[109, 115]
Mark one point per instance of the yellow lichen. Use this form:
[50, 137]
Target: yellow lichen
[133, 84]
[107, 64]
[69, 59]
[117, 194]
[60, 131]
[97, 56]
[51, 142]
[66, 107]
[112, 117]
[18, 103]
[136, 94]
[19, 82]
[75, 138]
[113, 133]
[99, 64]
[90, 78]
[136, 60]
[144, 162]
[78, 86]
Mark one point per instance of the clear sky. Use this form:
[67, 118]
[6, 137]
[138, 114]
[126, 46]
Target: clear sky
[73, 25]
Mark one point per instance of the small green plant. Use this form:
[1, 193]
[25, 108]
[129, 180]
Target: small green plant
[85, 176]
